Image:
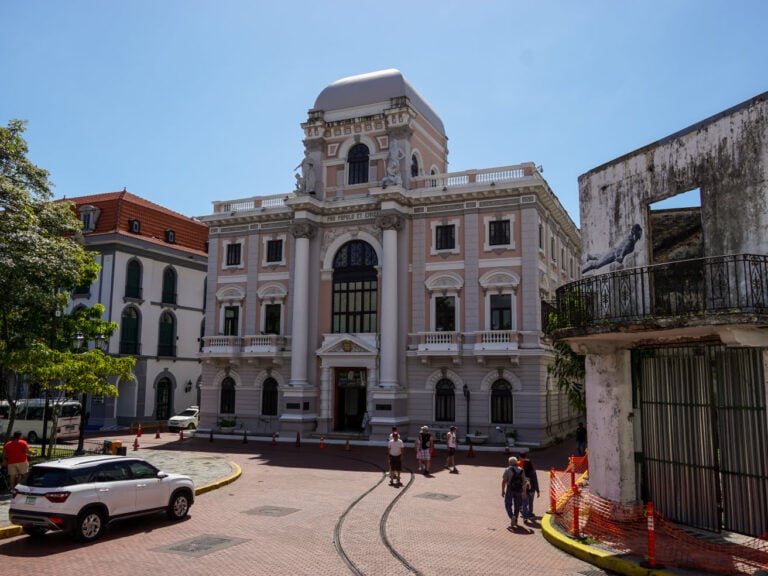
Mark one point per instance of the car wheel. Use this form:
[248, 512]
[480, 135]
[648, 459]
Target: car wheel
[192, 426]
[90, 525]
[34, 531]
[178, 507]
[32, 437]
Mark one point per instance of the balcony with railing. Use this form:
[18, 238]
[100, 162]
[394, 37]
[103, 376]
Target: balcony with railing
[712, 290]
[454, 345]
[260, 345]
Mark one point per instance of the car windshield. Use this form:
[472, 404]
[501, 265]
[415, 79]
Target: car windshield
[188, 412]
[46, 477]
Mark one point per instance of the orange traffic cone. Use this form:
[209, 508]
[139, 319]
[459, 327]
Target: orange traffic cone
[298, 440]
[181, 433]
[322, 442]
[274, 439]
[138, 430]
[157, 432]
[131, 427]
[346, 446]
[471, 453]
[507, 451]
[136, 443]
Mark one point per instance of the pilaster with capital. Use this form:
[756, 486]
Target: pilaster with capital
[390, 224]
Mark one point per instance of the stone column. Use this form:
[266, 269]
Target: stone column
[390, 224]
[302, 232]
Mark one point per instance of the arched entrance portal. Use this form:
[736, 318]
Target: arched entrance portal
[350, 399]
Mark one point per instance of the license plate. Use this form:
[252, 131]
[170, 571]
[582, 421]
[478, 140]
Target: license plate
[30, 500]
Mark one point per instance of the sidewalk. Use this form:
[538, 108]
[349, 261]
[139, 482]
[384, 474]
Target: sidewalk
[320, 482]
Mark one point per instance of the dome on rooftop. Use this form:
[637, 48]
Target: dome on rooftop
[372, 88]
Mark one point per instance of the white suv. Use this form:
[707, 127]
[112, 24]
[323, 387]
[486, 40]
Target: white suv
[82, 495]
[187, 420]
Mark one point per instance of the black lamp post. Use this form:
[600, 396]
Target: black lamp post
[465, 389]
[100, 342]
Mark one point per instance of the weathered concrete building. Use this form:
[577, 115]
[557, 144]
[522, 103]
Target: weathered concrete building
[384, 290]
[672, 314]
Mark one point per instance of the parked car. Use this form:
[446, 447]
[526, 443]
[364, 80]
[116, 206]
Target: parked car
[187, 420]
[82, 495]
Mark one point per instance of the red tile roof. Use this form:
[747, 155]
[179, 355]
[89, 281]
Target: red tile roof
[117, 208]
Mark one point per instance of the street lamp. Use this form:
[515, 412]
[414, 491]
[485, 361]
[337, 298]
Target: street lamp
[100, 343]
[465, 389]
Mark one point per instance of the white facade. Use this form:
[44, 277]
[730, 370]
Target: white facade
[167, 372]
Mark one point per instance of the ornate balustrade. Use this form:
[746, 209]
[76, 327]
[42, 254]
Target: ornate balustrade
[687, 289]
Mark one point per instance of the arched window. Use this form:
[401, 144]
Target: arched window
[355, 288]
[269, 397]
[133, 279]
[358, 164]
[163, 400]
[501, 403]
[227, 405]
[445, 401]
[129, 331]
[166, 339]
[414, 166]
[169, 286]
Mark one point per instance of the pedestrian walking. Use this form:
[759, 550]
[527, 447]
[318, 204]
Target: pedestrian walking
[532, 492]
[450, 441]
[581, 439]
[16, 458]
[513, 483]
[396, 451]
[425, 444]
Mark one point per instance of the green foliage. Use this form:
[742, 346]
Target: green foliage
[567, 370]
[42, 259]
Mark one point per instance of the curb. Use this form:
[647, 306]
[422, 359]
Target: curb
[606, 560]
[13, 530]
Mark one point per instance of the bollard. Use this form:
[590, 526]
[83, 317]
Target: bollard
[136, 443]
[346, 446]
[576, 512]
[274, 439]
[157, 432]
[471, 453]
[181, 433]
[245, 436]
[298, 440]
[322, 442]
[138, 430]
[552, 498]
[210, 436]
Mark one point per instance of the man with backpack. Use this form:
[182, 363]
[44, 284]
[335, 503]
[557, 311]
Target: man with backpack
[513, 488]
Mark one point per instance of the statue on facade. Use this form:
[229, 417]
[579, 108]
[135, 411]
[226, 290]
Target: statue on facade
[393, 176]
[615, 253]
[305, 181]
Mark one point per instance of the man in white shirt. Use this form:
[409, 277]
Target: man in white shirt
[395, 450]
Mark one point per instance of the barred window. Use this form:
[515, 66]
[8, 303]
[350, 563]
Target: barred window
[445, 237]
[355, 289]
[501, 403]
[445, 401]
[498, 233]
[358, 164]
[233, 254]
[274, 250]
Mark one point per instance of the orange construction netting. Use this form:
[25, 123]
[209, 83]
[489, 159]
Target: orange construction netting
[639, 531]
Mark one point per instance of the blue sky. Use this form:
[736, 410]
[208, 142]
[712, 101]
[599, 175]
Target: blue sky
[185, 102]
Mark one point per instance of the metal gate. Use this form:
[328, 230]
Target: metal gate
[704, 436]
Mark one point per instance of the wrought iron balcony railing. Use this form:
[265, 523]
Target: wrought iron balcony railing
[735, 284]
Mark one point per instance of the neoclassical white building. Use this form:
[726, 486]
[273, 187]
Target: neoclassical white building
[385, 290]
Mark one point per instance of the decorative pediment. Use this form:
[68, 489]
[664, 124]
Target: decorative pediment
[499, 279]
[272, 291]
[230, 294]
[444, 282]
[341, 344]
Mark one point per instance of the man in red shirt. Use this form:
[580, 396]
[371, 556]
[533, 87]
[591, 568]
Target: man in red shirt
[15, 456]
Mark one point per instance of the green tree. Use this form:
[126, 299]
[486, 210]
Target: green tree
[42, 259]
[568, 369]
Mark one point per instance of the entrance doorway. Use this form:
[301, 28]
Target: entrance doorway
[350, 401]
